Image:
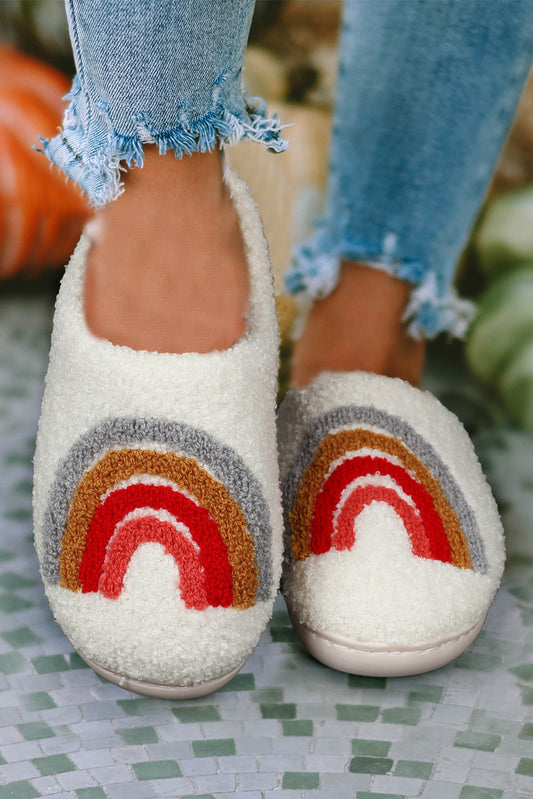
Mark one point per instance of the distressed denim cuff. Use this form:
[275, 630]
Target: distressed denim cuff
[90, 151]
[434, 307]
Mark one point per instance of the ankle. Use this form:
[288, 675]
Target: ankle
[359, 327]
[167, 270]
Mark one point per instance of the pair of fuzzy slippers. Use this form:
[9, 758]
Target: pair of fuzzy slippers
[159, 522]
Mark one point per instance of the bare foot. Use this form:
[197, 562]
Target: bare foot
[166, 269]
[358, 326]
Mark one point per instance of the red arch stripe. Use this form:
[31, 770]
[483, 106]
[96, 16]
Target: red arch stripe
[344, 536]
[430, 538]
[204, 531]
[149, 529]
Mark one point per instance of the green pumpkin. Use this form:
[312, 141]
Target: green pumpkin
[499, 348]
[504, 238]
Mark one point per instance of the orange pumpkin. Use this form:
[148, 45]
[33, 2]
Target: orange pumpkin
[41, 213]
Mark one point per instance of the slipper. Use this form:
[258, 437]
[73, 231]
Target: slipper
[157, 512]
[393, 546]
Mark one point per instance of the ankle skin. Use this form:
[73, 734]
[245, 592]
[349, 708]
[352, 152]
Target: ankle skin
[359, 327]
[167, 270]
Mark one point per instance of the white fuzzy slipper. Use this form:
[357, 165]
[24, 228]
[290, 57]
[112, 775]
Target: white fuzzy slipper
[157, 512]
[394, 546]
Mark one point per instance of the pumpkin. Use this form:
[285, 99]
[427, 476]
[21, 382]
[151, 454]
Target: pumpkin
[41, 213]
[504, 239]
[499, 348]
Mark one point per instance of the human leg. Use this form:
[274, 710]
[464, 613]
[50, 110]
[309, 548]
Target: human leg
[426, 93]
[156, 501]
[394, 545]
[172, 76]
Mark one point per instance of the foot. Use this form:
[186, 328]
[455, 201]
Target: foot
[359, 327]
[166, 270]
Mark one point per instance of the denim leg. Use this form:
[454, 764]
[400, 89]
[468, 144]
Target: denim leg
[161, 71]
[426, 93]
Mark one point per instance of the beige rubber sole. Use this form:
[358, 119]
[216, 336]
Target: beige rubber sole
[377, 660]
[159, 690]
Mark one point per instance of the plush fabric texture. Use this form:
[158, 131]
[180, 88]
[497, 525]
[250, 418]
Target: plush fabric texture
[392, 533]
[157, 512]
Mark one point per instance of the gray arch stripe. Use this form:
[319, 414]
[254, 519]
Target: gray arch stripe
[223, 463]
[350, 414]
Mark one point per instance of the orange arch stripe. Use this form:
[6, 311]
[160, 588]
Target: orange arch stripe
[333, 447]
[119, 465]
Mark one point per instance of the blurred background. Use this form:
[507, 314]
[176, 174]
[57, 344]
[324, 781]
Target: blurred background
[291, 61]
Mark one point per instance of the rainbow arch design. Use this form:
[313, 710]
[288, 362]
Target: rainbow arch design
[356, 455]
[129, 482]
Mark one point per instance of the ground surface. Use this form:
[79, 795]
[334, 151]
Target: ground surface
[285, 723]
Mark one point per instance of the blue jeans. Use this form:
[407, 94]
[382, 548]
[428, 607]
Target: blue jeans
[161, 71]
[426, 93]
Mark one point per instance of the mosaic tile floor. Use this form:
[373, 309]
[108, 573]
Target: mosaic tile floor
[285, 724]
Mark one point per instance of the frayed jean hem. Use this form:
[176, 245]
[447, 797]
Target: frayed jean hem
[432, 308]
[92, 153]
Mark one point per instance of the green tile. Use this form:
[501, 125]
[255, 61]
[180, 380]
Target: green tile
[11, 603]
[401, 715]
[53, 764]
[473, 792]
[196, 713]
[139, 735]
[24, 487]
[525, 767]
[280, 618]
[527, 616]
[5, 555]
[39, 700]
[300, 781]
[527, 696]
[12, 663]
[90, 793]
[526, 733]
[370, 748]
[12, 581]
[524, 672]
[135, 707]
[268, 695]
[214, 748]
[357, 712]
[523, 592]
[20, 637]
[48, 664]
[285, 710]
[33, 730]
[157, 770]
[478, 740]
[297, 728]
[282, 635]
[18, 514]
[371, 765]
[197, 795]
[372, 795]
[417, 769]
[18, 790]
[17, 459]
[475, 661]
[77, 662]
[426, 693]
[241, 682]
[356, 681]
